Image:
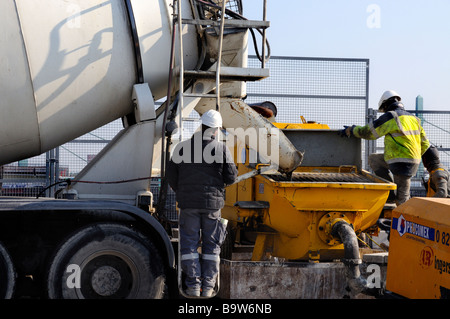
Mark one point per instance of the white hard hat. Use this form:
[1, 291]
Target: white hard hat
[212, 118]
[387, 95]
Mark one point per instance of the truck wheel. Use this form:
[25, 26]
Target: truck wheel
[106, 260]
[7, 274]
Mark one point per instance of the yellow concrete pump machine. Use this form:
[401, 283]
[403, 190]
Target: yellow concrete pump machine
[293, 216]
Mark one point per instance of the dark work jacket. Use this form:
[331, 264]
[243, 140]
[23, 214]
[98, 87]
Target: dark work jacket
[430, 159]
[199, 181]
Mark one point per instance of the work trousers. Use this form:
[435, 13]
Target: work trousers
[439, 184]
[200, 228]
[403, 182]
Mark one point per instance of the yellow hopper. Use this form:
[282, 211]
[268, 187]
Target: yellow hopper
[292, 216]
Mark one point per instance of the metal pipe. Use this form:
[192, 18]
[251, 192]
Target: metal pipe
[344, 231]
[169, 93]
[263, 62]
[219, 57]
[181, 84]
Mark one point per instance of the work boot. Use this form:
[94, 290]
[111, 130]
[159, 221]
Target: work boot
[193, 292]
[207, 292]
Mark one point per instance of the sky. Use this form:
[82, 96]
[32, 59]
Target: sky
[407, 42]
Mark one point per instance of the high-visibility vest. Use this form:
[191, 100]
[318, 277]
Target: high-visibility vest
[405, 139]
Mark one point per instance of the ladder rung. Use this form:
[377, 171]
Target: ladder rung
[229, 23]
[190, 119]
[199, 95]
[231, 73]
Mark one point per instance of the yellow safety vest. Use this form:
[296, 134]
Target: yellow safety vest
[405, 139]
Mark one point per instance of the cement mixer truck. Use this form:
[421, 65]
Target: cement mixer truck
[68, 67]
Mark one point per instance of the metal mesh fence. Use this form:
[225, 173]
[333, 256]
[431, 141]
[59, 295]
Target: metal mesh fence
[314, 77]
[324, 90]
[328, 91]
[31, 176]
[77, 153]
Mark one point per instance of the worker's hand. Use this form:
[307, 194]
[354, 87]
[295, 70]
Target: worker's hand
[347, 131]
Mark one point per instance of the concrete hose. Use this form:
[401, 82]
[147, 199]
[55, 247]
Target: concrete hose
[344, 231]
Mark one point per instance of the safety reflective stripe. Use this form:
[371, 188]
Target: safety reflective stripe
[413, 132]
[403, 160]
[437, 169]
[397, 120]
[211, 257]
[400, 126]
[374, 131]
[190, 256]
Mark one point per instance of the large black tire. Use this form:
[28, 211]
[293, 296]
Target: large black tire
[7, 274]
[113, 261]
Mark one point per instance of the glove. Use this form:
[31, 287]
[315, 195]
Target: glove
[347, 131]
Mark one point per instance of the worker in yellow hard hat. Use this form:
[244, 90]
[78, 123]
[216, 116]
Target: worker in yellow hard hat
[438, 185]
[404, 144]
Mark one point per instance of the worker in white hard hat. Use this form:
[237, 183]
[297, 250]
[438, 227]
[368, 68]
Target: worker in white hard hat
[198, 174]
[404, 144]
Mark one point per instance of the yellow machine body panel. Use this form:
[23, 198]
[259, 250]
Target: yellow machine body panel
[300, 211]
[419, 249]
[304, 126]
